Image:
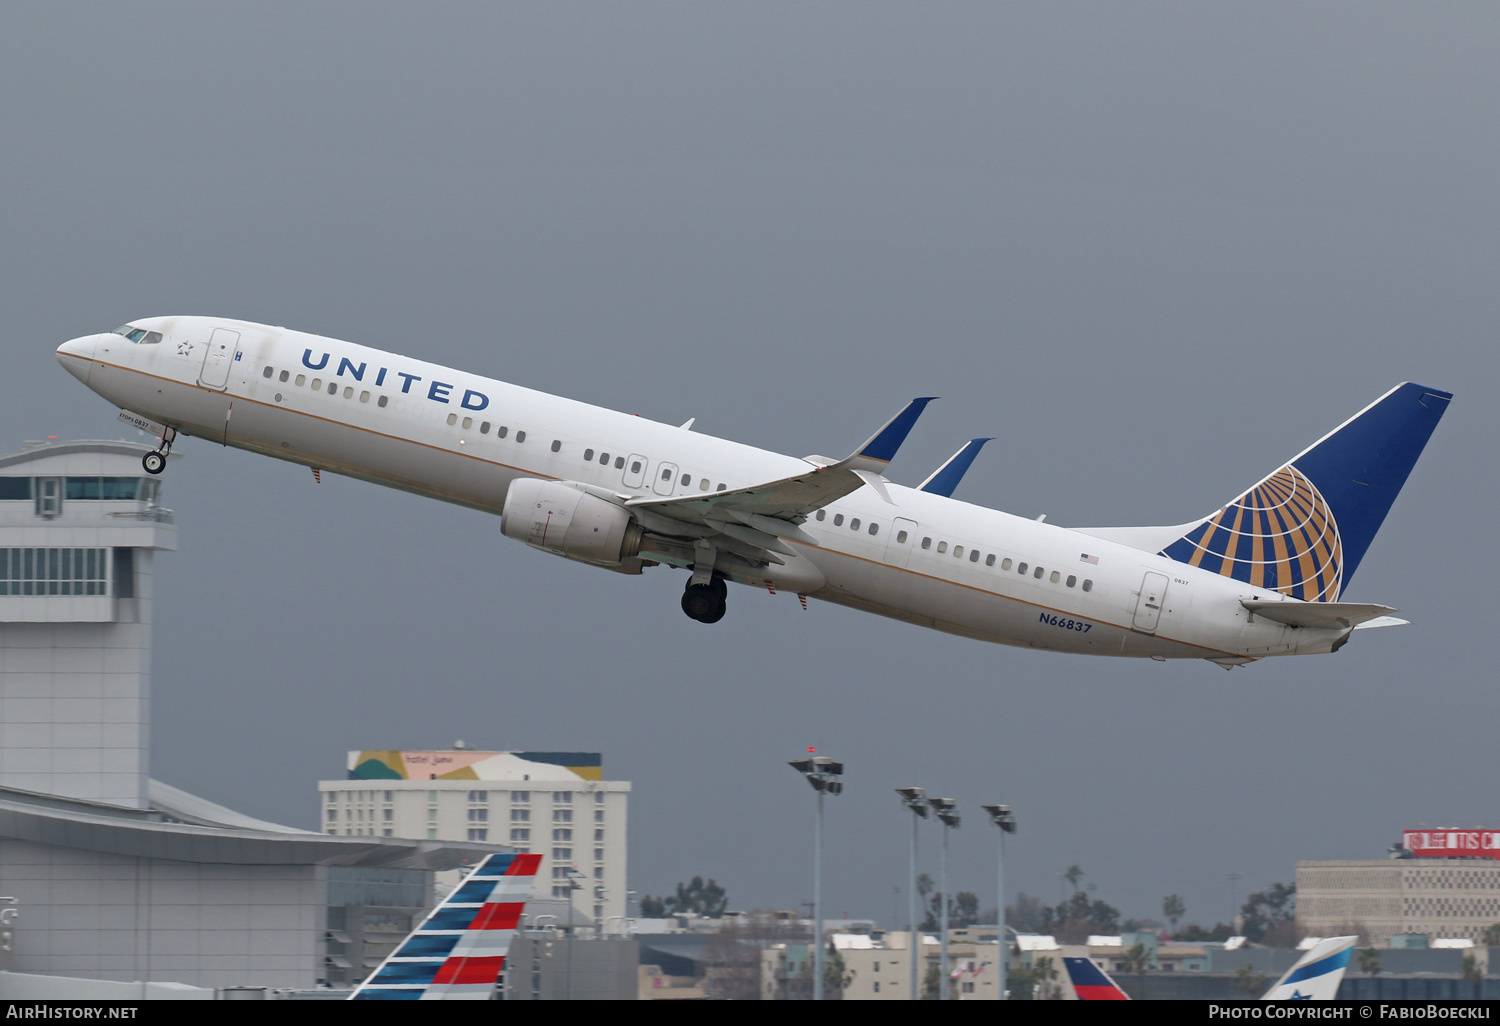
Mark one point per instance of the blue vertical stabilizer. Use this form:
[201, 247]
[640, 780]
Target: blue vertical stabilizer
[1304, 530]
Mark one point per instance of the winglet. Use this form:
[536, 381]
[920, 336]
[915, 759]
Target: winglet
[882, 446]
[946, 478]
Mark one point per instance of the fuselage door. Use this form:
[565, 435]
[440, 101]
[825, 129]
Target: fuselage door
[665, 479]
[635, 471]
[903, 539]
[222, 346]
[1148, 606]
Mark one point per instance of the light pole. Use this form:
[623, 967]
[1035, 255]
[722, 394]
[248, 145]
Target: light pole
[1001, 816]
[911, 797]
[822, 773]
[944, 807]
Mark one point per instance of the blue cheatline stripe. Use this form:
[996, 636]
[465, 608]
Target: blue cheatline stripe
[391, 994]
[1322, 967]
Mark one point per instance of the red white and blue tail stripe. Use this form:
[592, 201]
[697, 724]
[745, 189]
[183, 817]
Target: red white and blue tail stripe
[1091, 982]
[459, 950]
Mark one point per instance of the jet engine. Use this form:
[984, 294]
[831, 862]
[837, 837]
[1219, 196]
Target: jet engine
[559, 517]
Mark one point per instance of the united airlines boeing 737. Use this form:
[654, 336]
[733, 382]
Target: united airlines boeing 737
[1261, 576]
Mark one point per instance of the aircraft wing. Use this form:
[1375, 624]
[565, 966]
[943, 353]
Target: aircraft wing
[1327, 615]
[750, 521]
[459, 950]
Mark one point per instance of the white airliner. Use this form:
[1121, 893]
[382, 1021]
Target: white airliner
[1261, 576]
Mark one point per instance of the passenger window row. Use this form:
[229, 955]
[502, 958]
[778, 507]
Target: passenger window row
[501, 430]
[854, 522]
[1036, 572]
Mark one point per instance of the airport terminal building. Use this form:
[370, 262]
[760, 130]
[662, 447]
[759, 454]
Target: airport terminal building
[104, 872]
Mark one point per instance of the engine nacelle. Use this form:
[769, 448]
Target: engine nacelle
[559, 518]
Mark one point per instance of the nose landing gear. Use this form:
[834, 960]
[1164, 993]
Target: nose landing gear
[155, 462]
[706, 603]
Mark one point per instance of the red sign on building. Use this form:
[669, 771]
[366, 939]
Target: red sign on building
[1449, 843]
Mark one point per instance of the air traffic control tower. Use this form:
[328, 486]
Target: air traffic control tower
[106, 874]
[79, 526]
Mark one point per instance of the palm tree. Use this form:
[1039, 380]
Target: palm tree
[1369, 961]
[1137, 960]
[1043, 971]
[1173, 908]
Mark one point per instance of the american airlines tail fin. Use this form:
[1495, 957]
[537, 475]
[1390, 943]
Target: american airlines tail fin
[1303, 530]
[1092, 983]
[459, 950]
[1317, 974]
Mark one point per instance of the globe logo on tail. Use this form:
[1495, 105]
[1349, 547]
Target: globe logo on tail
[1280, 535]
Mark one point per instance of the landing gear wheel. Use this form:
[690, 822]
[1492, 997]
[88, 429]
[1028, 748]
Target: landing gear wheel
[704, 602]
[154, 462]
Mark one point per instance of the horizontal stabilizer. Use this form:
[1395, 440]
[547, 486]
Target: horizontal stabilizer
[1325, 615]
[946, 478]
[1382, 621]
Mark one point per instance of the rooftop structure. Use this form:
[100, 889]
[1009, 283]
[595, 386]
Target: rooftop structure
[555, 804]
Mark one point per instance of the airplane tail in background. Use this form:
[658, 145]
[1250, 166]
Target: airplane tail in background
[459, 950]
[1317, 974]
[1304, 530]
[1092, 983]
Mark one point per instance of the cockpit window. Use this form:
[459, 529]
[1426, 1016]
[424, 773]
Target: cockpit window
[138, 335]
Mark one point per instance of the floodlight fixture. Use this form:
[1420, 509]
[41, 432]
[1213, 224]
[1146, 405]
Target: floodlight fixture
[822, 773]
[1001, 816]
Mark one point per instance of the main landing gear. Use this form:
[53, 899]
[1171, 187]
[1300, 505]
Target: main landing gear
[155, 462]
[706, 602]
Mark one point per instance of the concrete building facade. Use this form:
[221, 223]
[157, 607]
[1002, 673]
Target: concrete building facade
[555, 804]
[79, 527]
[1441, 897]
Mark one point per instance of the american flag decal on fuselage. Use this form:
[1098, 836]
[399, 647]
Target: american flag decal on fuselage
[459, 950]
[1280, 535]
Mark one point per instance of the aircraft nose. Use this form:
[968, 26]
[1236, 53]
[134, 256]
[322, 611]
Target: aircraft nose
[77, 356]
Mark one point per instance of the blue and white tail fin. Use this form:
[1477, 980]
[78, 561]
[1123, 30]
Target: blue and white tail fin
[459, 950]
[1304, 529]
[1317, 974]
[1092, 983]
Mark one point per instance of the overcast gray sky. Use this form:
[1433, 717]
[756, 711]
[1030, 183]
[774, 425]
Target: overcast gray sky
[1155, 249]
